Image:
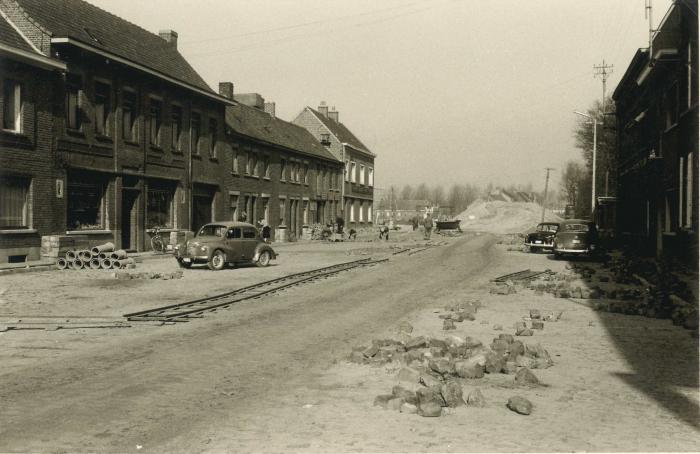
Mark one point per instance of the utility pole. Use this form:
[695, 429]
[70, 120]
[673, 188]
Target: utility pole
[603, 71]
[546, 186]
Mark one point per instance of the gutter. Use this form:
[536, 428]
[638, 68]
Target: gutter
[124, 61]
[31, 58]
[653, 59]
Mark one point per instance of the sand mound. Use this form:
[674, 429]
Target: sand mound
[503, 217]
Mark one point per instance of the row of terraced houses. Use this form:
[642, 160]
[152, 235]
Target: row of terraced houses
[107, 131]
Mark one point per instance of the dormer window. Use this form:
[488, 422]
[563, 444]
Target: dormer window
[325, 139]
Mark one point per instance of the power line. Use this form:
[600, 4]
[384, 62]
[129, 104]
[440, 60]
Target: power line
[602, 72]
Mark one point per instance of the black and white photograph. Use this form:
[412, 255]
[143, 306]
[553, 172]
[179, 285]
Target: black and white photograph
[349, 226]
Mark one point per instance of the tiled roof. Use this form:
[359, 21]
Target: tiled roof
[340, 131]
[255, 123]
[98, 28]
[10, 36]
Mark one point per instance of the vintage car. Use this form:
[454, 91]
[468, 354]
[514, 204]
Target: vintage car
[543, 236]
[219, 243]
[576, 237]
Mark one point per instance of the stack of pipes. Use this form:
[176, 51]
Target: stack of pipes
[102, 256]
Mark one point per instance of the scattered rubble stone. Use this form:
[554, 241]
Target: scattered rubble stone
[408, 374]
[452, 394]
[535, 314]
[510, 368]
[430, 402]
[537, 324]
[520, 405]
[525, 377]
[448, 325]
[454, 341]
[476, 398]
[472, 343]
[429, 381]
[395, 403]
[494, 363]
[524, 332]
[442, 366]
[416, 342]
[406, 394]
[405, 327]
[506, 337]
[382, 400]
[408, 408]
[519, 326]
[466, 369]
[371, 351]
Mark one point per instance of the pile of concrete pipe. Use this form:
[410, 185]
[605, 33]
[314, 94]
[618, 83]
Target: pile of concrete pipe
[99, 257]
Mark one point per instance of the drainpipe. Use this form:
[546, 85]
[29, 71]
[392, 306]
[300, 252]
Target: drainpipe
[342, 186]
[190, 186]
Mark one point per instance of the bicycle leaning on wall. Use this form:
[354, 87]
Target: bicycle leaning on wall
[157, 242]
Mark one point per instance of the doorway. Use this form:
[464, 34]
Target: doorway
[129, 224]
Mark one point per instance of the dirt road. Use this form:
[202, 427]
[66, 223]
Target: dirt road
[271, 375]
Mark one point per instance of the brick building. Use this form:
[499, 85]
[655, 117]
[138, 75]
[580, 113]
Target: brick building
[28, 181]
[657, 124]
[357, 192]
[137, 134]
[278, 171]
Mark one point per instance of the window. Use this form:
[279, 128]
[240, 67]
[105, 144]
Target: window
[254, 165]
[159, 208]
[233, 203]
[234, 162]
[155, 116]
[370, 176]
[249, 233]
[297, 172]
[175, 127]
[103, 108]
[129, 114]
[266, 169]
[14, 203]
[689, 75]
[347, 170]
[85, 204]
[306, 212]
[362, 174]
[234, 233]
[74, 85]
[12, 106]
[325, 139]
[306, 174]
[362, 212]
[283, 170]
[689, 185]
[283, 207]
[213, 136]
[248, 163]
[353, 176]
[369, 213]
[318, 179]
[196, 128]
[352, 211]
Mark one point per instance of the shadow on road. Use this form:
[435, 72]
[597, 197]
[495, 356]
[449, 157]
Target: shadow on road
[664, 361]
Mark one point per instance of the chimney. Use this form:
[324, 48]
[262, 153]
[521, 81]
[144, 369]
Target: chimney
[333, 114]
[323, 109]
[226, 90]
[270, 108]
[170, 36]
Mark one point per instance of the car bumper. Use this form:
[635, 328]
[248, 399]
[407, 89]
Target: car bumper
[571, 251]
[542, 245]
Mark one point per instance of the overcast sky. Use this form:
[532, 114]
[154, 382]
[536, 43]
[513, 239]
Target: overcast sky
[444, 91]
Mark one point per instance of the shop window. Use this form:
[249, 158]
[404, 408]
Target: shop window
[74, 86]
[129, 115]
[14, 203]
[213, 136]
[196, 128]
[85, 205]
[12, 106]
[103, 108]
[175, 127]
[155, 117]
[159, 208]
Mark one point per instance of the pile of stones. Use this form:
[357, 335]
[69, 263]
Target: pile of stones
[125, 275]
[435, 370]
[458, 313]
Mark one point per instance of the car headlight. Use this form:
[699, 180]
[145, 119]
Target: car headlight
[204, 248]
[592, 247]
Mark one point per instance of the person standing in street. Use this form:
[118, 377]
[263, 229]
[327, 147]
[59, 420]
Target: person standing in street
[428, 226]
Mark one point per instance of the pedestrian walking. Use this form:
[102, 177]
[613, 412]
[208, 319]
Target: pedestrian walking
[428, 226]
[384, 232]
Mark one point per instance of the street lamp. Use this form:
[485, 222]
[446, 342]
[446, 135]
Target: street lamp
[595, 141]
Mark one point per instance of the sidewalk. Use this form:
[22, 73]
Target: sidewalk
[48, 264]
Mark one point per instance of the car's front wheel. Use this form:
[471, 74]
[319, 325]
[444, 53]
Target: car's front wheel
[263, 259]
[217, 260]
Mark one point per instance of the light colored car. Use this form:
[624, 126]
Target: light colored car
[220, 243]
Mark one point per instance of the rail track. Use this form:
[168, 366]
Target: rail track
[183, 312]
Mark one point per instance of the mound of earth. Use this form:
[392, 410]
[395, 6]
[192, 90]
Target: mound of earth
[503, 217]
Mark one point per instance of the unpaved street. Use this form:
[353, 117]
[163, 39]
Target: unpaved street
[272, 374]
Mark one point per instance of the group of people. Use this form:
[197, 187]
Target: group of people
[415, 222]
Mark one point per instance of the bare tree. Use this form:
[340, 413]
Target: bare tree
[422, 192]
[407, 192]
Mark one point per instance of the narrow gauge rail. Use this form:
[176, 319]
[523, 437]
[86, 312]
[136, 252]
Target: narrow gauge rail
[182, 312]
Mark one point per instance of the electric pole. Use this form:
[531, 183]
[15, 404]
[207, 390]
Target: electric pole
[546, 186]
[603, 71]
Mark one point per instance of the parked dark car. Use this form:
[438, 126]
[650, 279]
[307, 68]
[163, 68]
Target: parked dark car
[576, 237]
[219, 243]
[543, 236]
